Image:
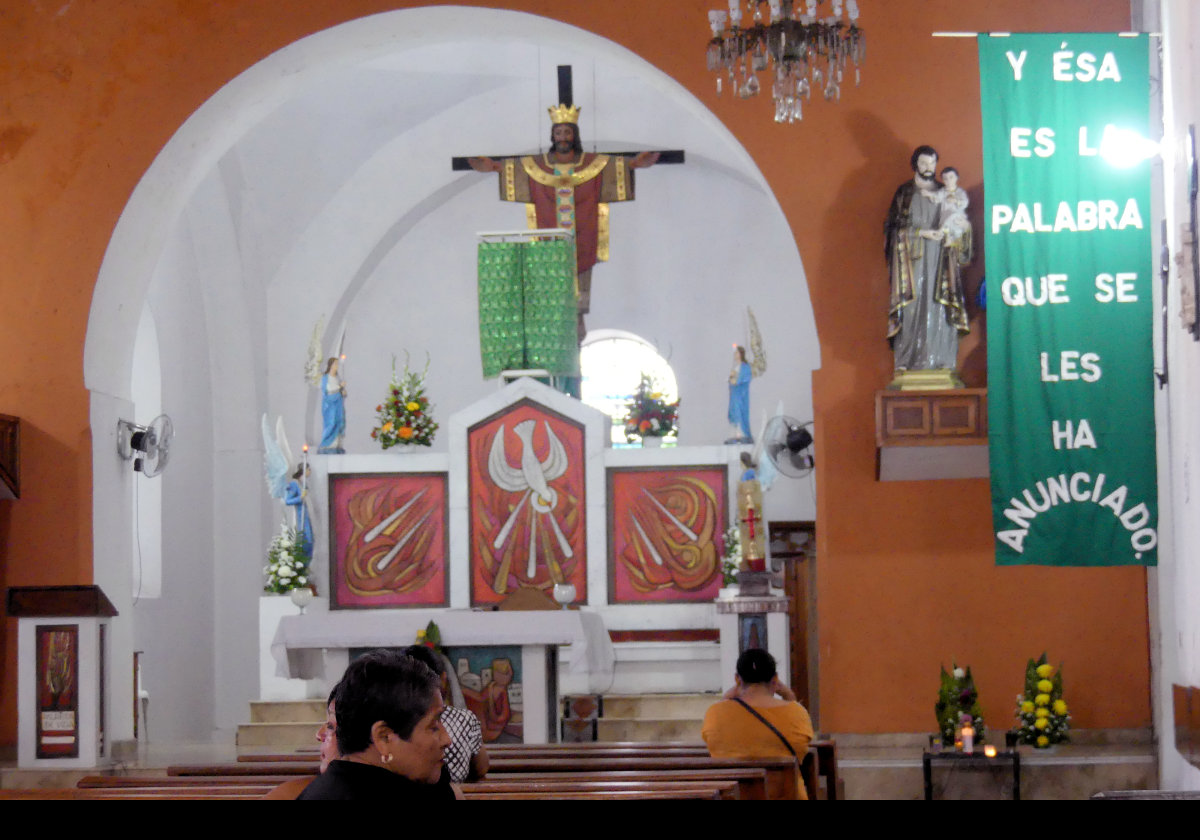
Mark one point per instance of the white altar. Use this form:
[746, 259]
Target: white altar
[657, 650]
[316, 646]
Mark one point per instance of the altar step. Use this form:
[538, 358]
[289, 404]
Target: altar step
[626, 717]
[282, 723]
[640, 717]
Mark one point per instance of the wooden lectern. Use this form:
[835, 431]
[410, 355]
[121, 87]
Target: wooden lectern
[63, 671]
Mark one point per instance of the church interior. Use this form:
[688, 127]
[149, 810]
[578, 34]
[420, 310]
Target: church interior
[190, 191]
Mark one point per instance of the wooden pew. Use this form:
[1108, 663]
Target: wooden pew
[826, 753]
[182, 793]
[110, 782]
[782, 773]
[554, 787]
[811, 765]
[780, 783]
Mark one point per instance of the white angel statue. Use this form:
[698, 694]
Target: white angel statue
[286, 480]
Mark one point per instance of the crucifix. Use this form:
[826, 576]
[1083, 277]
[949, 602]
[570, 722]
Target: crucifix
[569, 188]
[750, 522]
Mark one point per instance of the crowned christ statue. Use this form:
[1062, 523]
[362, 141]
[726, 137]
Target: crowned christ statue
[570, 189]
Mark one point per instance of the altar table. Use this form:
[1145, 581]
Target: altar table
[316, 646]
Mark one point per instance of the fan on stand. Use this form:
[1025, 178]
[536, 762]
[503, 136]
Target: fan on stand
[148, 446]
[786, 443]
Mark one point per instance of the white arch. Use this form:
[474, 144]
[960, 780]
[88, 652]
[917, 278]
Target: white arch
[231, 320]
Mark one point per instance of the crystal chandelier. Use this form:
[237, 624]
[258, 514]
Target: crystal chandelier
[807, 49]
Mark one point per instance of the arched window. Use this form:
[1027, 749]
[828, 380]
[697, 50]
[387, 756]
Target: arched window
[612, 363]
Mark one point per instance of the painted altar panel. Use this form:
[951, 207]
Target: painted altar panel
[388, 541]
[666, 526]
[527, 506]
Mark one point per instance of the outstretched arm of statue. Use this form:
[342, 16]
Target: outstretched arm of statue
[643, 159]
[484, 164]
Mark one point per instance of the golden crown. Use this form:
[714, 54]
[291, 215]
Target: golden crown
[564, 114]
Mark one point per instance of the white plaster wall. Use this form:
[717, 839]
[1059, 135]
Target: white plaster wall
[147, 492]
[318, 184]
[1178, 575]
[175, 631]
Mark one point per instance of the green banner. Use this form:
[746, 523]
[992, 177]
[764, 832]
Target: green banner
[1069, 272]
[527, 308]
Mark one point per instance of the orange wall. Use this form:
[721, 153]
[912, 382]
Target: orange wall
[89, 92]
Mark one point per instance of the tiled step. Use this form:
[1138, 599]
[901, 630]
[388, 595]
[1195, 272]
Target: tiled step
[658, 706]
[288, 711]
[280, 735]
[647, 730]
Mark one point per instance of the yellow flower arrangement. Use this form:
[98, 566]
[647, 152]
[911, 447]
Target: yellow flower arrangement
[1042, 718]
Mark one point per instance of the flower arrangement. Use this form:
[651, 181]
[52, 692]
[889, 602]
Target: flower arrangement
[731, 558]
[431, 637]
[403, 417]
[1042, 715]
[287, 563]
[649, 414]
[957, 698]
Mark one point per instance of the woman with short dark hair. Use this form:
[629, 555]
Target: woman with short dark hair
[388, 728]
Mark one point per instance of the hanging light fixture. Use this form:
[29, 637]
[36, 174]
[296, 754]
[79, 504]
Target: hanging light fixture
[799, 47]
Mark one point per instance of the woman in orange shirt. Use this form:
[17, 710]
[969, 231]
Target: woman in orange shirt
[759, 717]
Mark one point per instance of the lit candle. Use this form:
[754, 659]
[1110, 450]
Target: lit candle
[968, 738]
[304, 474]
[989, 751]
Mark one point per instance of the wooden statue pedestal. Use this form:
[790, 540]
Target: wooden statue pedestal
[931, 434]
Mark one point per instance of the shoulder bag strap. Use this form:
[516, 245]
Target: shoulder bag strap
[767, 724]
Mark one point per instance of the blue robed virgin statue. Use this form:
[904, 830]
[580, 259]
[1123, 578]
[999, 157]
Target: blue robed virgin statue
[739, 381]
[739, 397]
[333, 410]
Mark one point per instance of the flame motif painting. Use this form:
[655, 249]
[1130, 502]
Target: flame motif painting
[527, 503]
[388, 538]
[667, 526]
[57, 691]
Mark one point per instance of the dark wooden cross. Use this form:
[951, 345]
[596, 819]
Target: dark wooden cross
[566, 96]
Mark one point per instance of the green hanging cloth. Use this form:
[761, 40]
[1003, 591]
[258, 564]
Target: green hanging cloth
[527, 307]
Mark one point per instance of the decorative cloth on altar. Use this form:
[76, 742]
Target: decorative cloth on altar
[299, 641]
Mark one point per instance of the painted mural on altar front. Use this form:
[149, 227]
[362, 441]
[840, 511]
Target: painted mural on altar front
[527, 503]
[666, 526]
[493, 688]
[388, 541]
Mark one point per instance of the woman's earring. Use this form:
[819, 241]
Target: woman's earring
[387, 758]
